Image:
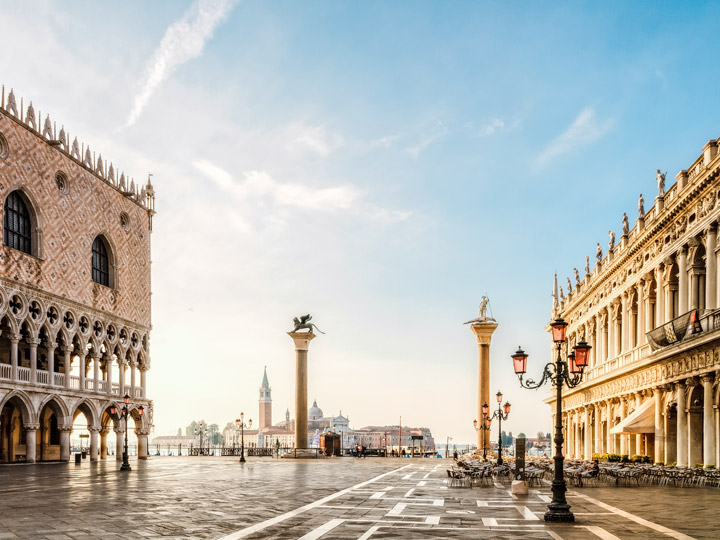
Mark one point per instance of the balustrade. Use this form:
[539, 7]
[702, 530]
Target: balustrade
[23, 374]
[59, 379]
[5, 371]
[43, 377]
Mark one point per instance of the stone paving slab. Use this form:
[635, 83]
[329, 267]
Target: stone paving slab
[340, 498]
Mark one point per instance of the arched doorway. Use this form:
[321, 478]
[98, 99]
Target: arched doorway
[49, 439]
[14, 415]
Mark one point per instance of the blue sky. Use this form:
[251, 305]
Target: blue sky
[381, 165]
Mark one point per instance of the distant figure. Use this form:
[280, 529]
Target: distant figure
[587, 264]
[598, 253]
[590, 471]
[641, 206]
[625, 225]
[611, 242]
[661, 183]
[455, 454]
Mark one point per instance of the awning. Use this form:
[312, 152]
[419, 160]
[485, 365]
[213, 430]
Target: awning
[642, 420]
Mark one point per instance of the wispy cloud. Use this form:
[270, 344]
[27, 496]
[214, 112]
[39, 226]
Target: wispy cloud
[491, 127]
[183, 41]
[586, 128]
[437, 132]
[311, 139]
[261, 186]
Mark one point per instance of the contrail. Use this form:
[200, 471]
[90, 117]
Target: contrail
[183, 41]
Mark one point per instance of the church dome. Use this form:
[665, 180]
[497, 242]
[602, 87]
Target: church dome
[315, 412]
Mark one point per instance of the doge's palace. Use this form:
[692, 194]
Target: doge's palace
[74, 291]
[650, 309]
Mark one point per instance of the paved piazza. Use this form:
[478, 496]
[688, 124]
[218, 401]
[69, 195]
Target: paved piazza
[359, 499]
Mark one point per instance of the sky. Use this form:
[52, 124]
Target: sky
[381, 165]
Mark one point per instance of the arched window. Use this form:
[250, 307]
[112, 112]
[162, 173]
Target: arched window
[100, 262]
[18, 225]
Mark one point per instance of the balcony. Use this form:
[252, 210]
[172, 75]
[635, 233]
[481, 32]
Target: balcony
[42, 378]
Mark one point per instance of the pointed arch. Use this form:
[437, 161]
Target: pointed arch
[58, 406]
[86, 407]
[23, 403]
[103, 261]
[22, 222]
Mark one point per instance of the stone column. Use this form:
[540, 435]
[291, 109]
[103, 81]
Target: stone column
[588, 433]
[119, 441]
[682, 281]
[81, 367]
[711, 268]
[609, 424]
[108, 373]
[94, 443]
[682, 434]
[604, 338]
[610, 332]
[641, 294]
[659, 298]
[659, 426]
[51, 362]
[65, 442]
[597, 422]
[103, 442]
[302, 344]
[121, 377]
[68, 360]
[95, 359]
[14, 340]
[143, 381]
[638, 436]
[132, 378]
[31, 442]
[33, 343]
[142, 438]
[624, 323]
[708, 420]
[624, 438]
[483, 332]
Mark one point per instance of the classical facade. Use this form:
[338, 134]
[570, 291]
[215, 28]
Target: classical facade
[74, 292]
[649, 308]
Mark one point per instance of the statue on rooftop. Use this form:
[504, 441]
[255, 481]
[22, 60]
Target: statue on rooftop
[641, 206]
[611, 243]
[598, 253]
[570, 287]
[660, 182]
[625, 224]
[577, 276]
[587, 264]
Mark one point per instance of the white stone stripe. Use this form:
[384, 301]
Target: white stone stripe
[526, 512]
[638, 519]
[327, 527]
[242, 533]
[432, 520]
[554, 535]
[490, 522]
[408, 492]
[397, 509]
[602, 533]
[369, 532]
[421, 483]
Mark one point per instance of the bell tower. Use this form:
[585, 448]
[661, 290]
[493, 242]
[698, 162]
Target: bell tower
[265, 403]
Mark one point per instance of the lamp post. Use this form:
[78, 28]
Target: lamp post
[563, 371]
[240, 424]
[200, 432]
[484, 426]
[124, 412]
[502, 413]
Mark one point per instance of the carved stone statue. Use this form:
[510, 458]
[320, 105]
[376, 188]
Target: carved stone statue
[625, 224]
[587, 263]
[641, 206]
[303, 323]
[611, 243]
[660, 182]
[569, 286]
[482, 310]
[598, 252]
[577, 276]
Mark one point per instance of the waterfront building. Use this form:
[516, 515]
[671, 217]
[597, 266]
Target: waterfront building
[74, 291]
[649, 309]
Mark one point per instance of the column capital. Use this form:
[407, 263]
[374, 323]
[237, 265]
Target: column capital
[32, 341]
[51, 344]
[14, 337]
[302, 340]
[31, 427]
[707, 378]
[65, 428]
[95, 429]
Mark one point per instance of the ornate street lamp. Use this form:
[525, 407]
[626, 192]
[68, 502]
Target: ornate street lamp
[485, 426]
[201, 432]
[502, 413]
[124, 412]
[568, 372]
[240, 424]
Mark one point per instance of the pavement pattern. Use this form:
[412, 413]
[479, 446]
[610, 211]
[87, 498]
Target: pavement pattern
[339, 498]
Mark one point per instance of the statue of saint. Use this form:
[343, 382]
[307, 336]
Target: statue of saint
[611, 243]
[598, 252]
[569, 286]
[660, 182]
[625, 224]
[577, 276]
[641, 206]
[587, 263]
[482, 311]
